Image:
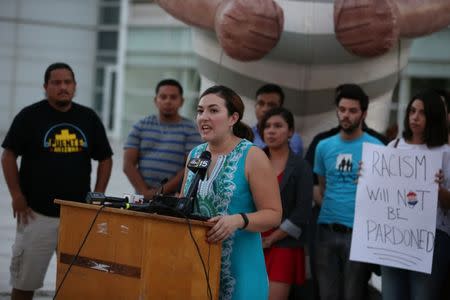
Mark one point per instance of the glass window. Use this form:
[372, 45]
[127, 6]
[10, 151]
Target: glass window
[109, 16]
[107, 40]
[419, 84]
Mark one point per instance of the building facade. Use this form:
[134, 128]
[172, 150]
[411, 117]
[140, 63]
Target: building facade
[120, 49]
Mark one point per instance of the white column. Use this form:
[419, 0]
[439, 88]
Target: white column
[110, 70]
[404, 95]
[120, 75]
[15, 61]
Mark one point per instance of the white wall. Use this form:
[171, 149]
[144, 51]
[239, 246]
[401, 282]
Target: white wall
[34, 34]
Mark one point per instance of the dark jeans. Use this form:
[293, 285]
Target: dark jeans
[339, 278]
[405, 284]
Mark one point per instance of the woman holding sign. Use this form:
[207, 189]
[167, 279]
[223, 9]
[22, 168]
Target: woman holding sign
[283, 245]
[425, 126]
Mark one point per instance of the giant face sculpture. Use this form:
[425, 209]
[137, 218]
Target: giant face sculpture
[308, 48]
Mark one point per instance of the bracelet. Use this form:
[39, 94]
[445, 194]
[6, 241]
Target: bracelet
[244, 216]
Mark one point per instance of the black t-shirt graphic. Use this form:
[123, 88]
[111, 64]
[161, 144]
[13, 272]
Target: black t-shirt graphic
[56, 149]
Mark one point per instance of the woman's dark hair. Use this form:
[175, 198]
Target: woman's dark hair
[446, 96]
[233, 104]
[436, 131]
[278, 111]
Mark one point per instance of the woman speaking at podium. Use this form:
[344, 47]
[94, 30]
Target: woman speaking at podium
[240, 193]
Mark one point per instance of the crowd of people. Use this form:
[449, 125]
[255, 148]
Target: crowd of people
[274, 211]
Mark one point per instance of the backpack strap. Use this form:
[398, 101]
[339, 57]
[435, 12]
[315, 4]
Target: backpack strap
[396, 142]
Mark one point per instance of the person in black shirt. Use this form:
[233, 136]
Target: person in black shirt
[56, 140]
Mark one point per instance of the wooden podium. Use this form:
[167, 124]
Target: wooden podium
[133, 255]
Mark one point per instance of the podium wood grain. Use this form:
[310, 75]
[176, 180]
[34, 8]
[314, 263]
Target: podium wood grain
[133, 255]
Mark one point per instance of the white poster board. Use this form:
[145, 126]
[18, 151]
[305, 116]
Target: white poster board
[395, 209]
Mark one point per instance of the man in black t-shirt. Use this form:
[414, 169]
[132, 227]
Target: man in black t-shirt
[56, 140]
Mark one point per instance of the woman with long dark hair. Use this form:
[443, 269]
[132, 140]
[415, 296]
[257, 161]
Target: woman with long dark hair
[425, 126]
[239, 193]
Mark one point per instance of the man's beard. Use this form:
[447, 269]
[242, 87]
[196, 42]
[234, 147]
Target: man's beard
[62, 103]
[352, 127]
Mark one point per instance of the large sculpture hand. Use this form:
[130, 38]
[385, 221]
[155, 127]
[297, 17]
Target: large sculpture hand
[246, 30]
[369, 28]
[366, 28]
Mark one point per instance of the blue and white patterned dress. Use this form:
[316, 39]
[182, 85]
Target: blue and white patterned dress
[225, 192]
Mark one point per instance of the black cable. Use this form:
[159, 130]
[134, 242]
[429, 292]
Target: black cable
[201, 258]
[206, 272]
[78, 253]
[209, 259]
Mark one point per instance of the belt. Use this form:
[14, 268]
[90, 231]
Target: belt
[337, 227]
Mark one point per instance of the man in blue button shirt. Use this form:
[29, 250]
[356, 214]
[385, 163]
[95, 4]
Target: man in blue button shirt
[267, 97]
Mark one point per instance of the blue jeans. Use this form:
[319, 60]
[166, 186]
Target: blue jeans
[338, 277]
[405, 284]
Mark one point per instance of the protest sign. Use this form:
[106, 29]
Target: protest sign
[395, 208]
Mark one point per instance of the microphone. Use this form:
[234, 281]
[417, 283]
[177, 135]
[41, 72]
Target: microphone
[130, 206]
[199, 166]
[100, 198]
